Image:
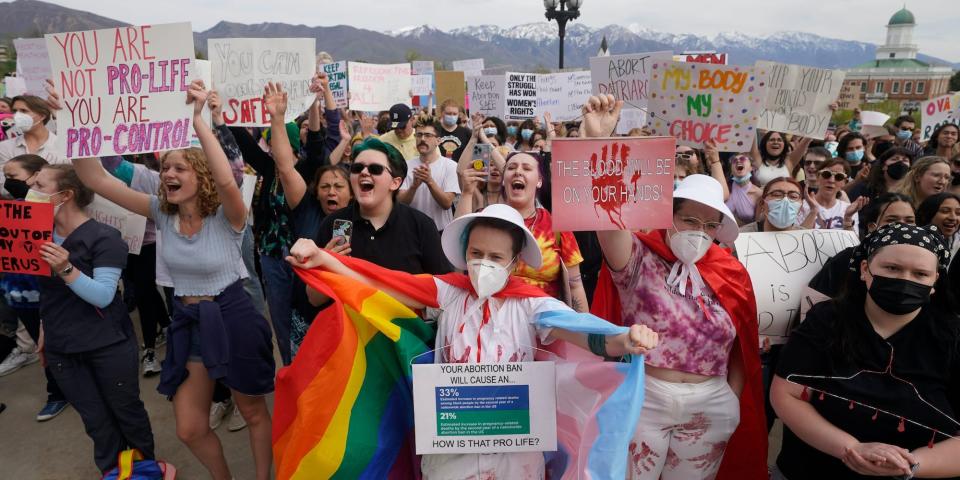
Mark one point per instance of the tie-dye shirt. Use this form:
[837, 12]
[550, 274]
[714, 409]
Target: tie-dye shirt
[548, 275]
[696, 333]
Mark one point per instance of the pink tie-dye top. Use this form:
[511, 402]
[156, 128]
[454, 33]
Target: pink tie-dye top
[696, 333]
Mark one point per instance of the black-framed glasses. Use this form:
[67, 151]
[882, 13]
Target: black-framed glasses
[424, 135]
[375, 169]
[837, 176]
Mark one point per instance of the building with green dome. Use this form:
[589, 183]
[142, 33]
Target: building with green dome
[895, 73]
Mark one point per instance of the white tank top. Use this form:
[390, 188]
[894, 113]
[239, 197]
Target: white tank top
[766, 173]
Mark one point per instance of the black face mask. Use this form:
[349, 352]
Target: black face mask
[898, 296]
[956, 179]
[898, 170]
[18, 188]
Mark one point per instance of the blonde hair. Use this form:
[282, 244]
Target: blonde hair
[911, 183]
[207, 199]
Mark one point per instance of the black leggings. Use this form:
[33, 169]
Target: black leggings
[142, 271]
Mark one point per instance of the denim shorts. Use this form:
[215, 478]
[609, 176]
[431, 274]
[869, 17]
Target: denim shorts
[196, 355]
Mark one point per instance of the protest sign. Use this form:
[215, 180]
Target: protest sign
[375, 87]
[24, 227]
[421, 84]
[33, 64]
[562, 94]
[337, 74]
[485, 407]
[487, 94]
[798, 98]
[451, 86]
[470, 68]
[521, 96]
[939, 111]
[627, 78]
[631, 118]
[200, 70]
[697, 102]
[14, 86]
[781, 265]
[612, 183]
[241, 67]
[702, 57]
[873, 123]
[123, 89]
[247, 188]
[422, 67]
[130, 225]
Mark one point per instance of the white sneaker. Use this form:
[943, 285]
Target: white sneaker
[219, 410]
[150, 364]
[237, 422]
[17, 359]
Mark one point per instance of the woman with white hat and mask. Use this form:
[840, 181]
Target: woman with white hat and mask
[488, 317]
[703, 382]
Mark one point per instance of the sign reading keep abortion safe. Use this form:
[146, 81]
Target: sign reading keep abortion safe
[123, 89]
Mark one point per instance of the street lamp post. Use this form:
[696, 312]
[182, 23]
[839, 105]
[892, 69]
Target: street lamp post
[569, 10]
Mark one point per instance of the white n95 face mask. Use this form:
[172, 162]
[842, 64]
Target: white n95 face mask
[22, 123]
[690, 245]
[487, 277]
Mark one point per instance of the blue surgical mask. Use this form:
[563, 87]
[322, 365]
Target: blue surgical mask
[526, 134]
[904, 134]
[490, 131]
[855, 157]
[512, 131]
[832, 147]
[744, 179]
[450, 120]
[783, 213]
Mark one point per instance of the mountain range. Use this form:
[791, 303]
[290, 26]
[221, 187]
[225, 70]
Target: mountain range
[522, 47]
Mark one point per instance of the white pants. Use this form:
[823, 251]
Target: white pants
[683, 430]
[494, 466]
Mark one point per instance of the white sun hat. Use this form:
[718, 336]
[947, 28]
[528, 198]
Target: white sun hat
[453, 234]
[707, 190]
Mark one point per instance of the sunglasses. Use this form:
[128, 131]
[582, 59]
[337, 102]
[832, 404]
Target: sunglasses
[808, 163]
[375, 169]
[684, 155]
[837, 176]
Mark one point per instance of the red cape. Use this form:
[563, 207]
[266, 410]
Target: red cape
[746, 454]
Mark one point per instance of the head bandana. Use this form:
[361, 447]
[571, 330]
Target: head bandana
[928, 237]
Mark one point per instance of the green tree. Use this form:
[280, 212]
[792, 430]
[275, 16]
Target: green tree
[412, 55]
[955, 82]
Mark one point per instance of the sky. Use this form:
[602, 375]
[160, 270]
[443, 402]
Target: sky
[861, 20]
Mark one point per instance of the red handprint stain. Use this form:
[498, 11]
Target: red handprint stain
[692, 431]
[711, 459]
[607, 181]
[643, 458]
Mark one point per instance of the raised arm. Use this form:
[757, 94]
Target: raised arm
[715, 167]
[294, 187]
[225, 137]
[336, 156]
[796, 155]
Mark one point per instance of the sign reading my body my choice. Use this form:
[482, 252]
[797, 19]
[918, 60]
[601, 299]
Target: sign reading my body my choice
[485, 407]
[123, 89]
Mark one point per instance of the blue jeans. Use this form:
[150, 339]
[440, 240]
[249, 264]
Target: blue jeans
[252, 283]
[278, 280]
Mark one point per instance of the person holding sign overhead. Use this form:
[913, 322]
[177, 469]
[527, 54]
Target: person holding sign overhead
[703, 409]
[30, 124]
[216, 333]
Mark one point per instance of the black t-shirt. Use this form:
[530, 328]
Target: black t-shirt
[925, 355]
[452, 143]
[70, 324]
[307, 217]
[832, 276]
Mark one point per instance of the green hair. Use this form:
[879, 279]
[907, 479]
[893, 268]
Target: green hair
[398, 166]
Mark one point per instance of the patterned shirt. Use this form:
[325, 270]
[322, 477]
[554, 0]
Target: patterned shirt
[548, 275]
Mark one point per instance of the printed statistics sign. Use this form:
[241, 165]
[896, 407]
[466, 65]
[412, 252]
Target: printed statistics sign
[798, 98]
[485, 407]
[24, 227]
[781, 264]
[123, 89]
[612, 183]
[241, 67]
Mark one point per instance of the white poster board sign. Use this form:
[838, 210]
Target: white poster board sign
[422, 67]
[123, 89]
[14, 86]
[241, 67]
[562, 95]
[798, 98]
[939, 111]
[337, 74]
[627, 78]
[200, 70]
[130, 225]
[485, 407]
[781, 264]
[521, 96]
[375, 88]
[487, 94]
[470, 68]
[421, 84]
[33, 64]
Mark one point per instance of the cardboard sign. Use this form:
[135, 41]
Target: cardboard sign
[375, 88]
[451, 86]
[612, 183]
[422, 67]
[627, 78]
[337, 74]
[521, 96]
[485, 407]
[563, 94]
[130, 225]
[24, 227]
[697, 102]
[123, 89]
[33, 64]
[781, 265]
[798, 98]
[241, 67]
[939, 111]
[487, 94]
[421, 84]
[470, 68]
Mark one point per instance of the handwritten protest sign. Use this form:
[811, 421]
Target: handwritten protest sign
[130, 225]
[241, 67]
[697, 102]
[627, 78]
[521, 96]
[14, 86]
[376, 87]
[702, 57]
[422, 67]
[123, 89]
[487, 94]
[24, 227]
[421, 84]
[337, 74]
[562, 94]
[798, 98]
[630, 118]
[612, 183]
[470, 68]
[33, 64]
[451, 86]
[939, 111]
[485, 407]
[781, 265]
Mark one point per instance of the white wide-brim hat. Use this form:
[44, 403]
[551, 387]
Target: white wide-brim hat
[453, 234]
[707, 190]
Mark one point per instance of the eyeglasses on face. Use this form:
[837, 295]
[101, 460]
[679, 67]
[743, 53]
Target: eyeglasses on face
[694, 223]
[780, 194]
[375, 169]
[424, 135]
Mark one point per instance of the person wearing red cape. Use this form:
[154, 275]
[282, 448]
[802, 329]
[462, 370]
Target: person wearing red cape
[703, 415]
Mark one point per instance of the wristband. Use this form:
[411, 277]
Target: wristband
[597, 344]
